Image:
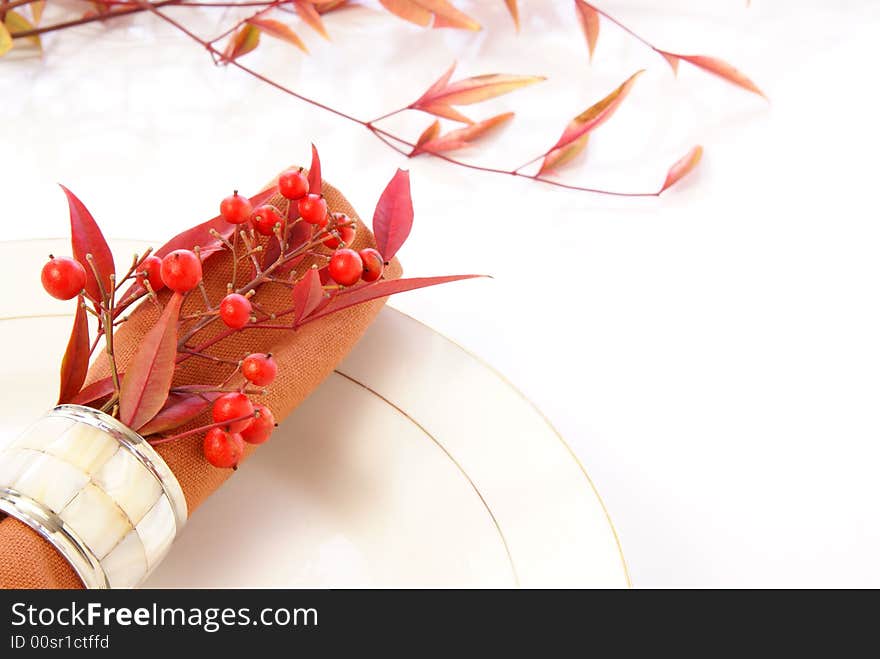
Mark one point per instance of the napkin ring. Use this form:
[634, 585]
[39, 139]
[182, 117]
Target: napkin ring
[97, 491]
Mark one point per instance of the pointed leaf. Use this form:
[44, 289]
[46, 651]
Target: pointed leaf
[75, 364]
[275, 29]
[86, 238]
[477, 89]
[409, 10]
[684, 166]
[148, 377]
[5, 40]
[461, 137]
[393, 218]
[445, 111]
[308, 293]
[310, 16]
[427, 135]
[179, 409]
[382, 288]
[721, 69]
[589, 19]
[564, 154]
[595, 115]
[243, 41]
[16, 22]
[513, 8]
[445, 15]
[671, 59]
[95, 391]
[315, 172]
[37, 10]
[439, 85]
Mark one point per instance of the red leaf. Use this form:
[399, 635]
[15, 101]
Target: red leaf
[393, 217]
[671, 59]
[242, 42]
[315, 172]
[148, 377]
[275, 29]
[589, 19]
[717, 67]
[310, 15]
[307, 295]
[86, 238]
[684, 166]
[360, 294]
[95, 391]
[587, 121]
[179, 409]
[459, 138]
[75, 364]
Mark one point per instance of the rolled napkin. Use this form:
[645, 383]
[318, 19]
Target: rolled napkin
[305, 357]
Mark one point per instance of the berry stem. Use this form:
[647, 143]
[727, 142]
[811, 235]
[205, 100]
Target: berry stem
[200, 429]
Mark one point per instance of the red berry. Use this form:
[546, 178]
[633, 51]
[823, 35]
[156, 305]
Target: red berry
[151, 270]
[265, 218]
[181, 270]
[313, 209]
[233, 405]
[374, 264]
[223, 449]
[345, 266]
[345, 228]
[293, 184]
[235, 310]
[63, 278]
[236, 209]
[263, 425]
[259, 369]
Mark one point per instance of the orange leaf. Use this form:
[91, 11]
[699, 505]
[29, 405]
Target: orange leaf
[15, 22]
[482, 88]
[589, 19]
[461, 137]
[5, 40]
[275, 29]
[513, 8]
[719, 68]
[37, 10]
[445, 15]
[243, 41]
[409, 10]
[586, 122]
[564, 154]
[310, 15]
[445, 111]
[147, 379]
[684, 166]
[427, 135]
[75, 364]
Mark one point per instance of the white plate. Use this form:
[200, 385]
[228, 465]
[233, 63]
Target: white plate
[415, 464]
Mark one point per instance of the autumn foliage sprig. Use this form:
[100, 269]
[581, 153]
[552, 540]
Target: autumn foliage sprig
[299, 245]
[442, 99]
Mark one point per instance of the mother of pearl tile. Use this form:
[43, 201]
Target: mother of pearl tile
[44, 432]
[50, 481]
[129, 484]
[13, 462]
[157, 530]
[96, 519]
[126, 565]
[84, 446]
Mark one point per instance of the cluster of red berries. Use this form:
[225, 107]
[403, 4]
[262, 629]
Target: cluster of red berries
[239, 420]
[64, 278]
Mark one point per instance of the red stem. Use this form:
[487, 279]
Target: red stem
[195, 431]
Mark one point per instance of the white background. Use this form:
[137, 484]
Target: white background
[711, 355]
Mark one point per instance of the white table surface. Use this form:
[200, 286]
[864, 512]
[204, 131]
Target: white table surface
[712, 356]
